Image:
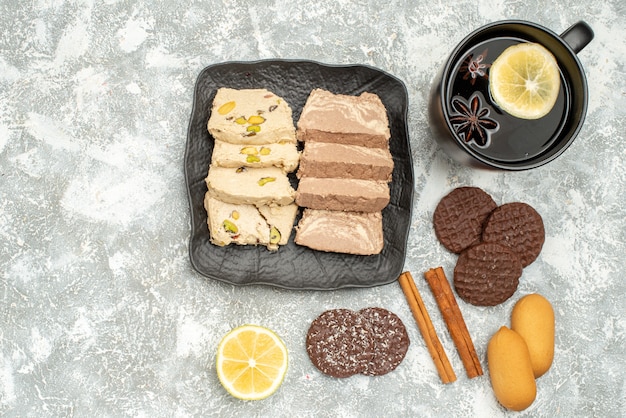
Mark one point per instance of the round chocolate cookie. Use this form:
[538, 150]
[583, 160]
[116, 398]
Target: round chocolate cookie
[518, 226]
[459, 217]
[339, 343]
[390, 341]
[487, 274]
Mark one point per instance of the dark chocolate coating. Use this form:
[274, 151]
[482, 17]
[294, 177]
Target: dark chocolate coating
[487, 274]
[459, 217]
[518, 226]
[339, 343]
[390, 341]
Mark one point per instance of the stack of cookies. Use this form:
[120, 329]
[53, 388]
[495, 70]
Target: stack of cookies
[494, 243]
[344, 172]
[250, 199]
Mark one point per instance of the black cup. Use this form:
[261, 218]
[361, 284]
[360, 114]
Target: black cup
[460, 89]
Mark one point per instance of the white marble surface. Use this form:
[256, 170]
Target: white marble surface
[101, 313]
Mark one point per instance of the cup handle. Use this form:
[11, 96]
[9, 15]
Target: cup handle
[578, 36]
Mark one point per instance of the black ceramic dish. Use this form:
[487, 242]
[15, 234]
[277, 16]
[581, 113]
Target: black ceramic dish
[294, 266]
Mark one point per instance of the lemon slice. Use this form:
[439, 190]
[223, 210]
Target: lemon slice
[525, 81]
[251, 362]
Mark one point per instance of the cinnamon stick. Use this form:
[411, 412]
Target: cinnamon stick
[425, 325]
[451, 313]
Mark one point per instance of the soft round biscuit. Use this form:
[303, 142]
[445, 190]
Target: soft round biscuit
[487, 274]
[459, 217]
[339, 343]
[390, 341]
[518, 226]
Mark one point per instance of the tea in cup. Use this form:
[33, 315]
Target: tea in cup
[470, 125]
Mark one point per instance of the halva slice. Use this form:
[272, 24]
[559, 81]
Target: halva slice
[344, 119]
[253, 186]
[284, 155]
[238, 224]
[325, 159]
[280, 220]
[250, 116]
[342, 232]
[248, 225]
[342, 194]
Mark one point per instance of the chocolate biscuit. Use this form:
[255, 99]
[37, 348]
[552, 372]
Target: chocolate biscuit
[487, 274]
[339, 343]
[518, 226]
[390, 341]
[459, 217]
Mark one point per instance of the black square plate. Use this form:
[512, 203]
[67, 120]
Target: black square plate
[294, 266]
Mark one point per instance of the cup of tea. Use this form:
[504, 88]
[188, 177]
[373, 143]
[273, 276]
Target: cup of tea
[461, 99]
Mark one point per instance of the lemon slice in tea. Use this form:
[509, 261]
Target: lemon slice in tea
[524, 80]
[251, 362]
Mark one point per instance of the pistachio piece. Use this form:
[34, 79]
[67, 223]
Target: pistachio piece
[253, 128]
[264, 180]
[256, 120]
[230, 226]
[265, 151]
[226, 108]
[274, 235]
[240, 170]
[234, 214]
[241, 120]
[252, 159]
[249, 151]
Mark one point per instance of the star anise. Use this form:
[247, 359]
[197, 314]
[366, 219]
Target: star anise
[474, 67]
[472, 122]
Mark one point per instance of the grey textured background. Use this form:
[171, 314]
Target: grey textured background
[101, 313]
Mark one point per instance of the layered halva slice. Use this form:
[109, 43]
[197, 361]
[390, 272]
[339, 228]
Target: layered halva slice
[252, 186]
[357, 233]
[284, 155]
[342, 194]
[344, 119]
[325, 159]
[248, 225]
[250, 116]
